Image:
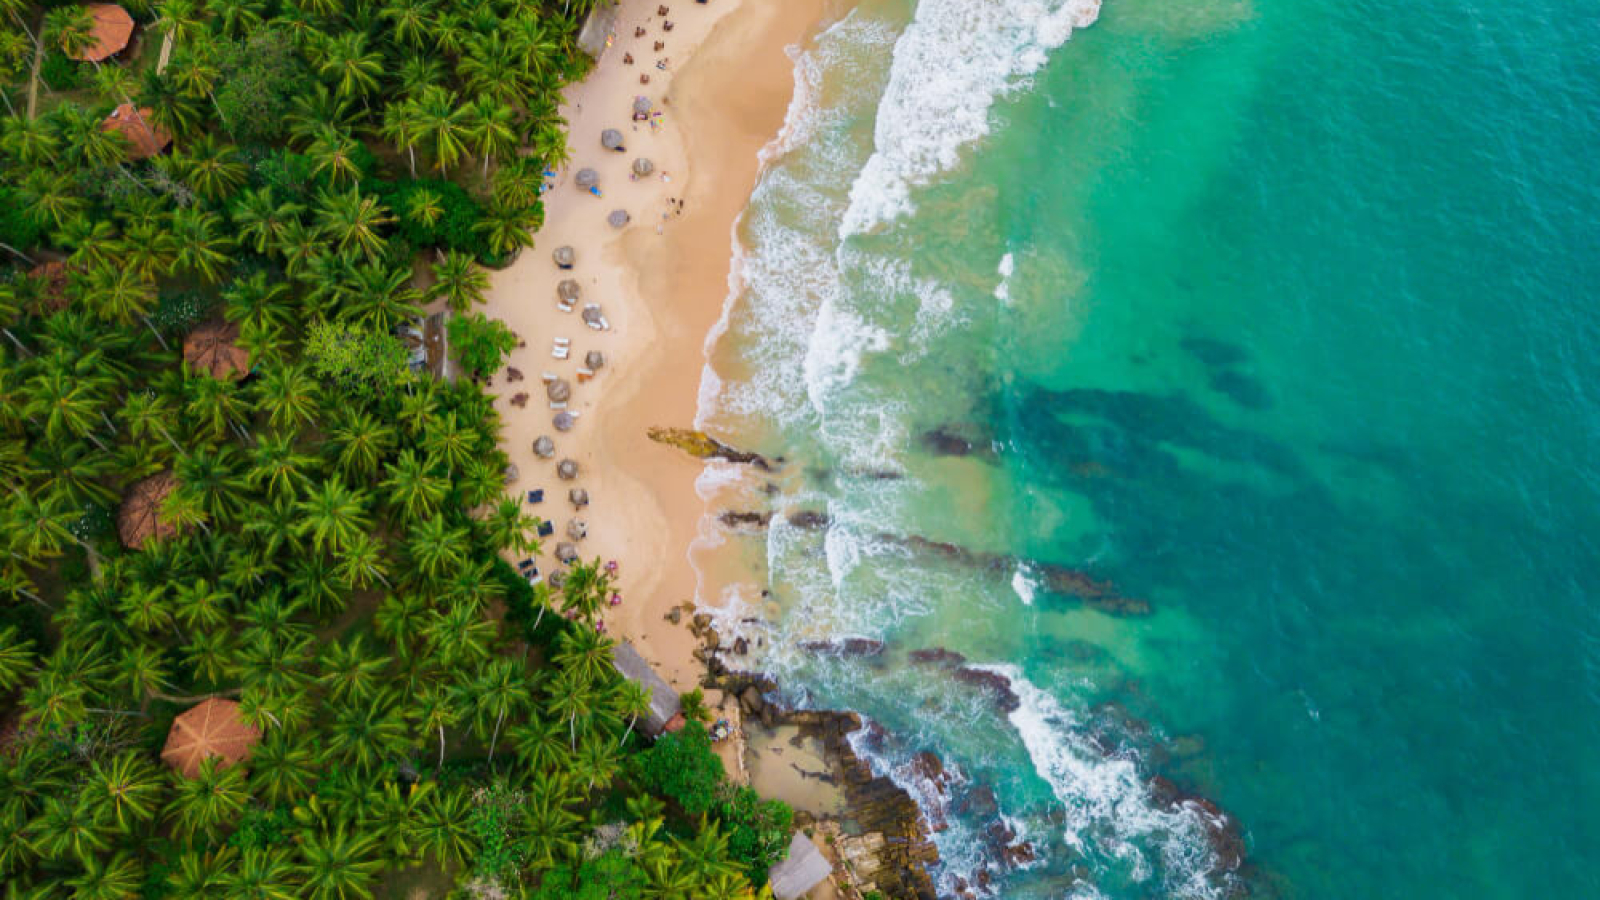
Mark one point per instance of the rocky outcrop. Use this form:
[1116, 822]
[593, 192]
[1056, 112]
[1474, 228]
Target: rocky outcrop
[808, 519]
[937, 656]
[702, 446]
[1099, 595]
[847, 647]
[998, 686]
[733, 519]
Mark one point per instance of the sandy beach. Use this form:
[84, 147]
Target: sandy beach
[722, 89]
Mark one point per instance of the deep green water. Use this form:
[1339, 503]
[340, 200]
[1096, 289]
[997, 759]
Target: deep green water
[1299, 343]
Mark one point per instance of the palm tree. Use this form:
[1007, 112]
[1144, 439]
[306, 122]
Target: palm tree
[209, 801]
[353, 221]
[290, 397]
[459, 636]
[237, 18]
[458, 280]
[68, 828]
[360, 442]
[443, 829]
[441, 125]
[70, 29]
[509, 527]
[261, 874]
[630, 699]
[335, 866]
[490, 129]
[435, 547]
[31, 142]
[279, 468]
[366, 732]
[211, 168]
[16, 659]
[211, 475]
[410, 20]
[201, 247]
[333, 515]
[115, 878]
[126, 784]
[509, 228]
[348, 65]
[451, 441]
[412, 487]
[400, 618]
[350, 671]
[49, 197]
[437, 708]
[499, 691]
[148, 249]
[333, 153]
[282, 768]
[585, 653]
[551, 829]
[363, 562]
[383, 297]
[261, 220]
[584, 592]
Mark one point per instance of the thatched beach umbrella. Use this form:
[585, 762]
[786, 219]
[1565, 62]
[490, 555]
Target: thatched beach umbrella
[212, 729]
[579, 497]
[140, 520]
[576, 529]
[544, 448]
[611, 139]
[212, 348]
[594, 360]
[567, 469]
[586, 178]
[643, 167]
[565, 257]
[619, 218]
[112, 29]
[591, 314]
[512, 473]
[564, 421]
[641, 106]
[144, 138]
[559, 390]
[566, 552]
[568, 290]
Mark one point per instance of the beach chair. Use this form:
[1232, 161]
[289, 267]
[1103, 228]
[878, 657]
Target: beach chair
[558, 404]
[532, 575]
[562, 348]
[546, 529]
[525, 564]
[536, 496]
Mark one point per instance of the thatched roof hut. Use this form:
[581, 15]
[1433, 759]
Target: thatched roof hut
[559, 391]
[113, 27]
[564, 421]
[213, 729]
[565, 257]
[213, 348]
[579, 497]
[567, 469]
[619, 218]
[568, 290]
[611, 139]
[594, 360]
[643, 167]
[140, 520]
[144, 138]
[586, 178]
[641, 106]
[803, 869]
[592, 316]
[664, 703]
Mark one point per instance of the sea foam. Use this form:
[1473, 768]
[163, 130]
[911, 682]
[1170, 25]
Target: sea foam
[950, 65]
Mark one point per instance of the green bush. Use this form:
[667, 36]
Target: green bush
[610, 876]
[261, 76]
[60, 72]
[683, 768]
[479, 344]
[759, 831]
[179, 311]
[361, 362]
[458, 214]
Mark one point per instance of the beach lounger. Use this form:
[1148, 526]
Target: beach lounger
[558, 404]
[533, 575]
[560, 352]
[549, 377]
[546, 529]
[525, 564]
[536, 496]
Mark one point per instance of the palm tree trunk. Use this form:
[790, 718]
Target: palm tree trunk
[495, 738]
[18, 344]
[159, 339]
[7, 247]
[441, 746]
[625, 734]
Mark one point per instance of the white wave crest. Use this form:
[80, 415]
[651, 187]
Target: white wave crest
[950, 65]
[1107, 802]
[1008, 267]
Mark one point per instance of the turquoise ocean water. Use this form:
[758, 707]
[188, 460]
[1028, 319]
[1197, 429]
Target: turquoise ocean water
[1277, 315]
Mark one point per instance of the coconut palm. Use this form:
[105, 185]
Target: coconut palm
[261, 220]
[383, 297]
[345, 62]
[208, 802]
[459, 637]
[500, 690]
[585, 653]
[491, 130]
[113, 878]
[16, 658]
[68, 829]
[127, 786]
[49, 197]
[277, 466]
[360, 442]
[353, 221]
[289, 396]
[441, 124]
[335, 866]
[365, 732]
[334, 156]
[282, 768]
[443, 826]
[458, 280]
[509, 527]
[551, 830]
[70, 29]
[30, 142]
[212, 169]
[261, 874]
[507, 228]
[400, 618]
[411, 21]
[350, 670]
[333, 515]
[451, 441]
[434, 547]
[201, 247]
[631, 700]
[413, 487]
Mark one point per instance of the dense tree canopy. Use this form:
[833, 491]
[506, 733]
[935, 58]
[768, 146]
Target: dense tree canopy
[322, 541]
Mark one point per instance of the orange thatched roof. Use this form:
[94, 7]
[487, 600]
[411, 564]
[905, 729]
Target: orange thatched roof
[140, 517]
[212, 729]
[144, 138]
[212, 348]
[112, 29]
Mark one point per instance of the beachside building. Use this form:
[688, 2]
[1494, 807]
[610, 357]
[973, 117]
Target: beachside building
[803, 869]
[666, 711]
[113, 28]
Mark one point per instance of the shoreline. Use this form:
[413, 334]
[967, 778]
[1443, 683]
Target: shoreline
[662, 282]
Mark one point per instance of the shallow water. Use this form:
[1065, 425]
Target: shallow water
[1277, 317]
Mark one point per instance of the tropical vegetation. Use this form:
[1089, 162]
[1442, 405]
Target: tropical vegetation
[325, 530]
